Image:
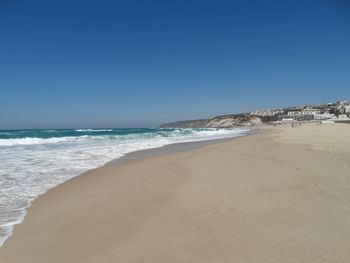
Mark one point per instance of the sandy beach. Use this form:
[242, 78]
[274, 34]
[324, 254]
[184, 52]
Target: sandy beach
[280, 195]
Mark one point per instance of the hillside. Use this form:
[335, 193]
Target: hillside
[261, 116]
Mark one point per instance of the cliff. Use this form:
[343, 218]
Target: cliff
[226, 121]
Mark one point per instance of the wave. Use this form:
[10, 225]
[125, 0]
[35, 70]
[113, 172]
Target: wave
[94, 130]
[35, 140]
[182, 133]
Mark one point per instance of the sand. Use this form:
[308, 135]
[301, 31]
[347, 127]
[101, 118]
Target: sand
[280, 195]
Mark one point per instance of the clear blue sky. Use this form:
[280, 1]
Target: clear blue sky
[140, 63]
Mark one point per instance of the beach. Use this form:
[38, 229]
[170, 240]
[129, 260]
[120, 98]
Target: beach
[279, 195]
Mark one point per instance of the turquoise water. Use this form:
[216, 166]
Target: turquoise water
[33, 161]
[61, 133]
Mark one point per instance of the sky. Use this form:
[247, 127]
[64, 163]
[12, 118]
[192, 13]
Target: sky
[70, 64]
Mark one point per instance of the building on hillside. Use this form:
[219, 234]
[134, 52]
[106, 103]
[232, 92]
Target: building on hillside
[304, 117]
[324, 116]
[310, 111]
[287, 119]
[296, 117]
[342, 116]
[265, 112]
[347, 108]
[293, 113]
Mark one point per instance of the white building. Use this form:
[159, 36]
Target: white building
[309, 111]
[293, 113]
[324, 116]
[342, 116]
[347, 108]
[286, 119]
[266, 112]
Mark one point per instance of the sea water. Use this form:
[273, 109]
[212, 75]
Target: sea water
[33, 161]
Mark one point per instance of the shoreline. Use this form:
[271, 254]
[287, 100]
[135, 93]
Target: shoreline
[138, 154]
[270, 192]
[171, 148]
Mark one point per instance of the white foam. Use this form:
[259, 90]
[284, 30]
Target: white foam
[53, 140]
[93, 130]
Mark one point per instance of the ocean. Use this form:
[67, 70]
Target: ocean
[33, 161]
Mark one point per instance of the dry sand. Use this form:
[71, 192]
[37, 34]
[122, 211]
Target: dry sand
[281, 195]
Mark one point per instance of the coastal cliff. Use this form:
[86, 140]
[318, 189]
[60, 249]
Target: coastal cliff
[226, 121]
